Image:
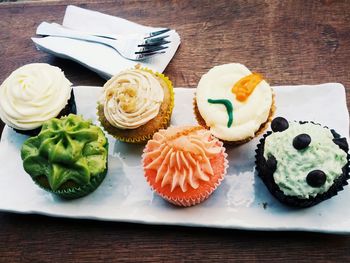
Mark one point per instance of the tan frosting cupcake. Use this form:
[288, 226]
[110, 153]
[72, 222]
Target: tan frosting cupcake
[135, 104]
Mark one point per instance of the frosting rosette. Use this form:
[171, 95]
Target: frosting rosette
[185, 164]
[68, 157]
[132, 98]
[33, 94]
[233, 102]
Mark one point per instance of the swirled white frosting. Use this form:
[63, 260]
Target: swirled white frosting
[132, 98]
[248, 115]
[33, 94]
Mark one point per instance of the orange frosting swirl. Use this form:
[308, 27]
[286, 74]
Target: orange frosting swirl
[181, 156]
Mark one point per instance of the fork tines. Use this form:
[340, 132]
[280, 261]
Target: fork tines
[150, 54]
[151, 49]
[153, 45]
[156, 33]
[159, 43]
[155, 39]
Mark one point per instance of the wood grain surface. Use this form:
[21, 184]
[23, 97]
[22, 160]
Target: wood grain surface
[290, 42]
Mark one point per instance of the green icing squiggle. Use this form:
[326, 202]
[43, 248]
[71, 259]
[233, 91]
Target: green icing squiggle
[67, 149]
[293, 165]
[229, 109]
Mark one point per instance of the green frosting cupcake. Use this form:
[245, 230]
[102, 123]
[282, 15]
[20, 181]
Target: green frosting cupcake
[68, 157]
[293, 165]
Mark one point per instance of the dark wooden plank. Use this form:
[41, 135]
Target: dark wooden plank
[40, 239]
[290, 42]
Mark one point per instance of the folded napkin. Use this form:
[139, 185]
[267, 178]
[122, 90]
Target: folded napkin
[102, 59]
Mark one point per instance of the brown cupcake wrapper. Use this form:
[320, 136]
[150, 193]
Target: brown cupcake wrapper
[69, 108]
[261, 129]
[120, 135]
[293, 201]
[187, 202]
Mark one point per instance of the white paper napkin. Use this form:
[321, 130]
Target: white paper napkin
[100, 58]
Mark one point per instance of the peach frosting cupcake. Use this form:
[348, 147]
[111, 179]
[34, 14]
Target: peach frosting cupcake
[184, 165]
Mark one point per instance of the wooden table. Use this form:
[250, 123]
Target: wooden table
[290, 42]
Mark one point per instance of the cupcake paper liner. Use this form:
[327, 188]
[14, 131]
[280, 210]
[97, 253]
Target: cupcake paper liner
[69, 108]
[198, 197]
[267, 177]
[138, 135]
[79, 191]
[261, 129]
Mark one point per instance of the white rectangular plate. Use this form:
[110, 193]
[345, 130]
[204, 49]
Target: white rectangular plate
[240, 202]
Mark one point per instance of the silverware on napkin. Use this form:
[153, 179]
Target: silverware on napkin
[101, 58]
[133, 46]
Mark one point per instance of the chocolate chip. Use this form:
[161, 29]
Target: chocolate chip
[335, 134]
[279, 124]
[271, 163]
[342, 143]
[316, 178]
[301, 141]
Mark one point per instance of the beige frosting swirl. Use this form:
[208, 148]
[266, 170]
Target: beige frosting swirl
[33, 94]
[181, 156]
[132, 98]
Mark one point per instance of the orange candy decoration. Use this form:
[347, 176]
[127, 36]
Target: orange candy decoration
[245, 86]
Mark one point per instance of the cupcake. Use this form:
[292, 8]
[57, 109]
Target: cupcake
[68, 157]
[233, 103]
[32, 95]
[302, 163]
[184, 165]
[135, 104]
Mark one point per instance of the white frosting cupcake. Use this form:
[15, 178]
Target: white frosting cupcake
[33, 94]
[233, 101]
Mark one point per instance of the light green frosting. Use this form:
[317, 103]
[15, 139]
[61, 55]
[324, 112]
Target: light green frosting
[67, 149]
[293, 165]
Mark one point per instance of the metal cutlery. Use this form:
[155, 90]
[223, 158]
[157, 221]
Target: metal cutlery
[133, 47]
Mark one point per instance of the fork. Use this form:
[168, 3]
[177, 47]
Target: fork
[130, 47]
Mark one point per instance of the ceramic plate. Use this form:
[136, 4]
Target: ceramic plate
[240, 202]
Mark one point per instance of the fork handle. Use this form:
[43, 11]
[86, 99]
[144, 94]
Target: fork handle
[48, 29]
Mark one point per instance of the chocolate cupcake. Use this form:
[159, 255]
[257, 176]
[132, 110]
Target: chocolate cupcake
[68, 157]
[302, 163]
[33, 94]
